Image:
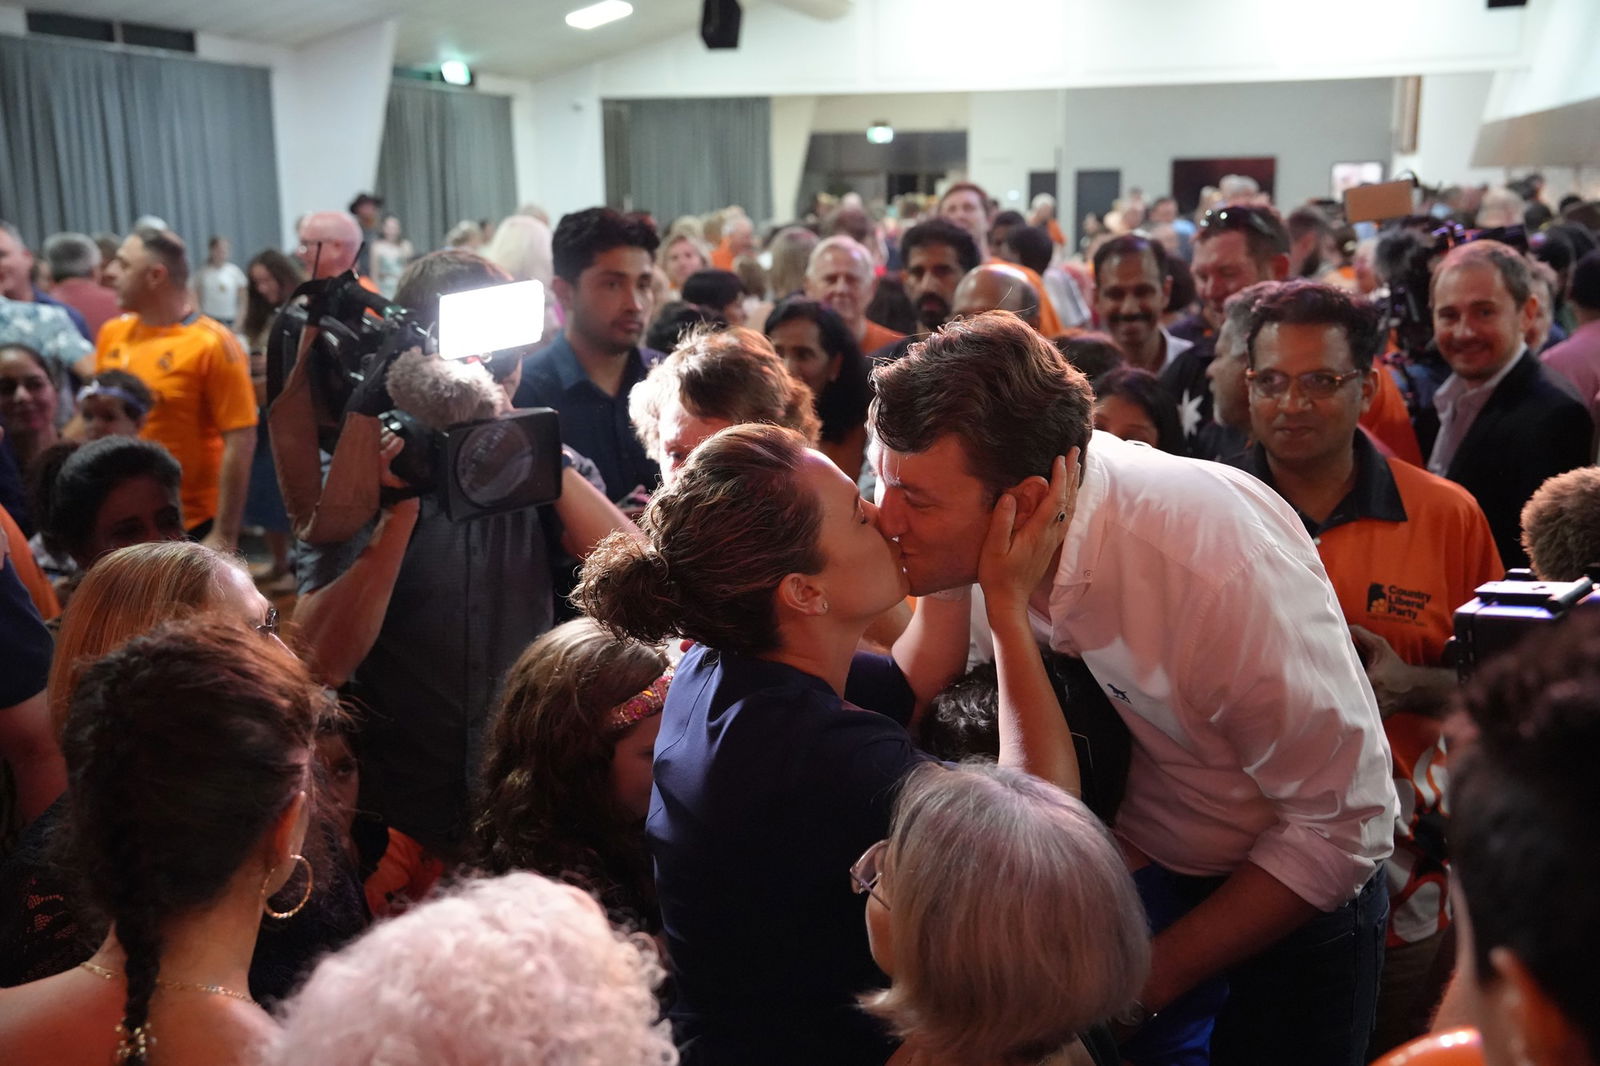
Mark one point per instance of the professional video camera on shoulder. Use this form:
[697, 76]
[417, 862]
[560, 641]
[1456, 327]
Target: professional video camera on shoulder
[1506, 612]
[344, 364]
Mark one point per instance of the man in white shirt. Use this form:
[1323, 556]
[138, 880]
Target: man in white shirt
[1259, 803]
[220, 286]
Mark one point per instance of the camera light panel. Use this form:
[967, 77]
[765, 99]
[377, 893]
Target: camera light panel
[491, 319]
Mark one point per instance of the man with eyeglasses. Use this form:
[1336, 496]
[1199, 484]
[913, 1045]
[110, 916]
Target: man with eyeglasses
[1403, 549]
[1236, 247]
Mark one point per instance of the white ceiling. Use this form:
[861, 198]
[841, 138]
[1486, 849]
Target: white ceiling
[519, 38]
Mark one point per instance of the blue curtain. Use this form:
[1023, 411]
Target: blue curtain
[93, 137]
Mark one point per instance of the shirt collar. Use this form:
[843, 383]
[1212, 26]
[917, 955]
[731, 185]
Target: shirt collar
[1086, 532]
[1175, 346]
[570, 373]
[1374, 496]
[1454, 388]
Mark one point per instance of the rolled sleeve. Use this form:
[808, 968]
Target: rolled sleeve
[1297, 709]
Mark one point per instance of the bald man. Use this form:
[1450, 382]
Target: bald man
[998, 287]
[840, 275]
[329, 242]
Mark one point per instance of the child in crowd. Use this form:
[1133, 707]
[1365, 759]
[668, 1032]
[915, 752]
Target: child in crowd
[567, 775]
[114, 404]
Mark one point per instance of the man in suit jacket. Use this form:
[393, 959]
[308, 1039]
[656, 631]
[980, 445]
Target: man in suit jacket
[1504, 424]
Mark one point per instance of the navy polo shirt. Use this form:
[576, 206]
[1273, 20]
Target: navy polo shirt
[592, 423]
[768, 786]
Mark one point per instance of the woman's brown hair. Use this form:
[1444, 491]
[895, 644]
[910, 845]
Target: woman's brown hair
[720, 539]
[547, 801]
[183, 748]
[126, 593]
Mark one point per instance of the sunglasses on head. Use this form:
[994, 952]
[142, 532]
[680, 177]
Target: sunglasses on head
[1240, 218]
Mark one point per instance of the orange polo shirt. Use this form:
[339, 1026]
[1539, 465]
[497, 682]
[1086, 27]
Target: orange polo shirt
[1403, 551]
[722, 256]
[1389, 421]
[877, 337]
[200, 378]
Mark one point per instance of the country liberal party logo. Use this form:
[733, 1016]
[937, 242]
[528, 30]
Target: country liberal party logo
[1392, 601]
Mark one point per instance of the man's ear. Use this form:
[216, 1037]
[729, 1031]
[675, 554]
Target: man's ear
[1369, 389]
[564, 292]
[1166, 290]
[1529, 312]
[1540, 1030]
[1029, 493]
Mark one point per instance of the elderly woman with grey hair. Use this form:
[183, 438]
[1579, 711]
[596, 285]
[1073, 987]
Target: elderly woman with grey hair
[498, 971]
[1002, 911]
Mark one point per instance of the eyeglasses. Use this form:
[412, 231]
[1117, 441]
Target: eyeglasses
[1238, 218]
[1315, 384]
[269, 627]
[866, 873]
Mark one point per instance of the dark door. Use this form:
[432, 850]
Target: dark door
[1097, 190]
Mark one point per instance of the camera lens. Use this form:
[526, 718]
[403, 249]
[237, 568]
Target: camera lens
[494, 464]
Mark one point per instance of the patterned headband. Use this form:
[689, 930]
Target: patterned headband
[638, 707]
[137, 406]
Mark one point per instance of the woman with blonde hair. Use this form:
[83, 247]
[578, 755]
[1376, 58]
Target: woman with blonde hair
[680, 255]
[1003, 913]
[521, 247]
[566, 779]
[715, 379]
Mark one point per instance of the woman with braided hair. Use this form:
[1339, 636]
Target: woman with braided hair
[189, 753]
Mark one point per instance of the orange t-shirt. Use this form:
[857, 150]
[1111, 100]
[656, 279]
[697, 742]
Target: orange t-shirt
[1389, 421]
[722, 257]
[39, 588]
[1404, 581]
[1057, 238]
[1049, 322]
[200, 378]
[877, 337]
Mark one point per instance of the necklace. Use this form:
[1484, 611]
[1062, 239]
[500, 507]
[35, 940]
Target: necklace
[162, 982]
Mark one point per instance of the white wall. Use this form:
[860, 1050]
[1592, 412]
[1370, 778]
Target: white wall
[923, 112]
[1011, 133]
[328, 101]
[1449, 115]
[793, 120]
[13, 21]
[568, 147]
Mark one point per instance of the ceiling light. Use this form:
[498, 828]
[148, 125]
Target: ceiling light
[455, 72]
[880, 133]
[587, 18]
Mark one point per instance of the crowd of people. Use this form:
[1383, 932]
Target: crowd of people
[951, 644]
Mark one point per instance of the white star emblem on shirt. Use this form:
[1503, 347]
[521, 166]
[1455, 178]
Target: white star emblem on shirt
[1189, 413]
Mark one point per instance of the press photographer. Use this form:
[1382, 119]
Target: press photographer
[422, 612]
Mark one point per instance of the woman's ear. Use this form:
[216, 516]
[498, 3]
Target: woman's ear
[288, 833]
[800, 594]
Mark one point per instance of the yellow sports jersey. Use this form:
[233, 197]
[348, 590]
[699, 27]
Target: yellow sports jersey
[200, 378]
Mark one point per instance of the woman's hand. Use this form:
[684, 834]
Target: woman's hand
[1016, 557]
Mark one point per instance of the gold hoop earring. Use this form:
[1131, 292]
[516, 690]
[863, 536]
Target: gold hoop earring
[266, 905]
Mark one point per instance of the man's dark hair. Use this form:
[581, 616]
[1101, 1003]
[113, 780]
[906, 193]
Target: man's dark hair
[853, 222]
[1131, 244]
[1525, 842]
[1005, 220]
[1264, 232]
[1309, 303]
[362, 199]
[677, 318]
[1092, 353]
[582, 235]
[714, 289]
[941, 231]
[1014, 402]
[1032, 247]
[1584, 288]
[967, 186]
[168, 249]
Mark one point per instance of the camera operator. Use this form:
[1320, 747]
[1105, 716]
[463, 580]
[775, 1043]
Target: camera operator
[426, 614]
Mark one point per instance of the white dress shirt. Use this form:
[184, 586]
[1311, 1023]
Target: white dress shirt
[1458, 404]
[1196, 598]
